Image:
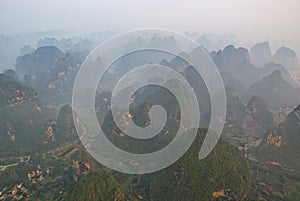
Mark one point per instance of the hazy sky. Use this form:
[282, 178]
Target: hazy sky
[248, 19]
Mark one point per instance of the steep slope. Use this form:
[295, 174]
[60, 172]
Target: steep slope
[65, 124]
[282, 145]
[236, 110]
[5, 78]
[97, 186]
[287, 57]
[39, 62]
[49, 71]
[224, 174]
[22, 119]
[258, 119]
[258, 109]
[11, 73]
[236, 62]
[271, 67]
[260, 54]
[275, 91]
[246, 124]
[230, 81]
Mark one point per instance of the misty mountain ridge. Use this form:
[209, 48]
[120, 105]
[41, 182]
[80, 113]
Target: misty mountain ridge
[236, 62]
[49, 71]
[275, 91]
[36, 119]
[235, 65]
[271, 67]
[261, 55]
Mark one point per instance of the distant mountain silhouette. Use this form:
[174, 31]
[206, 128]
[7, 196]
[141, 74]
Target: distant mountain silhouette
[287, 58]
[49, 71]
[271, 67]
[236, 62]
[5, 78]
[274, 90]
[26, 49]
[11, 73]
[67, 45]
[260, 54]
[39, 62]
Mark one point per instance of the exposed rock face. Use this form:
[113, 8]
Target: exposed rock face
[258, 119]
[274, 139]
[50, 134]
[17, 192]
[21, 116]
[35, 67]
[65, 124]
[13, 93]
[48, 71]
[260, 54]
[80, 169]
[248, 122]
[258, 109]
[287, 58]
[282, 144]
[251, 127]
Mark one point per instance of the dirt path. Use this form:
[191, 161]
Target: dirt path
[3, 167]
